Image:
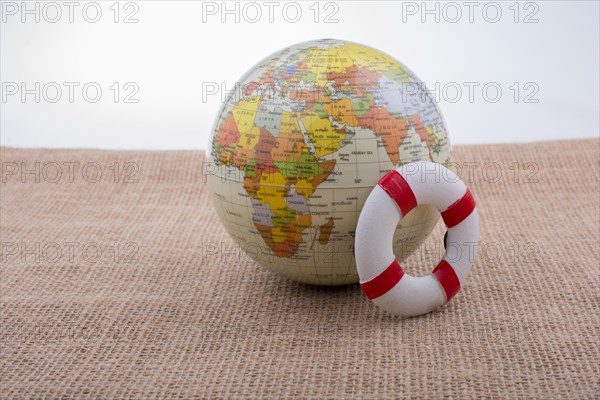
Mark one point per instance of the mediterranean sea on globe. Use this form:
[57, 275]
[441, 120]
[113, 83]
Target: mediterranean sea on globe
[300, 143]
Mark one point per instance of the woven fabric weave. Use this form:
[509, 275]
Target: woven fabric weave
[127, 286]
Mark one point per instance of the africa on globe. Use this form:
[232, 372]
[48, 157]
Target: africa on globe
[297, 149]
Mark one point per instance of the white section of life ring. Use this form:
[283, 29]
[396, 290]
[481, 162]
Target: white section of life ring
[381, 277]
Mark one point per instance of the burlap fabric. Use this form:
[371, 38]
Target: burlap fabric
[111, 287]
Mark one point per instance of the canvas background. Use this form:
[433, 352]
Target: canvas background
[164, 320]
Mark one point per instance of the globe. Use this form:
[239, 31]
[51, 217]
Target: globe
[299, 144]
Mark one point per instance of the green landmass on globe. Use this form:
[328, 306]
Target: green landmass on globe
[310, 130]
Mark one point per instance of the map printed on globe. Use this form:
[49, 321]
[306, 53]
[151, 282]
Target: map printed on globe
[300, 144]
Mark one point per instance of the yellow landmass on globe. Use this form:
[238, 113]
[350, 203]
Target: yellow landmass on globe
[244, 113]
[324, 136]
[272, 190]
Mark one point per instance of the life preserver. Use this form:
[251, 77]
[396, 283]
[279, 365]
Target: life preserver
[381, 277]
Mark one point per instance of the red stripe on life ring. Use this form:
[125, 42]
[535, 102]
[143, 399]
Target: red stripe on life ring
[461, 209]
[447, 277]
[399, 190]
[383, 282]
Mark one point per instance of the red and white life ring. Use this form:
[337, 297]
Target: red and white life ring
[381, 277]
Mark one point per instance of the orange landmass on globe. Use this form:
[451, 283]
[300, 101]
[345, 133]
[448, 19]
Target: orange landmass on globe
[356, 79]
[392, 130]
[228, 132]
[325, 231]
[263, 149]
[227, 137]
[341, 111]
[284, 240]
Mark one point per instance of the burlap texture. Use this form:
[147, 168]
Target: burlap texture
[164, 319]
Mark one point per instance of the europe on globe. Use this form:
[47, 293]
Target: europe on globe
[297, 149]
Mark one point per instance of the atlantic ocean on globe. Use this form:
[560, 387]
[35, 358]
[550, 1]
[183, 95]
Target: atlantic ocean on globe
[301, 142]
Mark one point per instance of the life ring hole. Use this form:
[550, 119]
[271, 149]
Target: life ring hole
[418, 257]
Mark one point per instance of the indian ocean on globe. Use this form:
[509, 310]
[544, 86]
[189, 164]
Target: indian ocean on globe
[297, 149]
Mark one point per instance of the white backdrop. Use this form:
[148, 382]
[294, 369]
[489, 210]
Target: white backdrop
[143, 74]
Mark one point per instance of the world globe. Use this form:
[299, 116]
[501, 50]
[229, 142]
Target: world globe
[300, 143]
